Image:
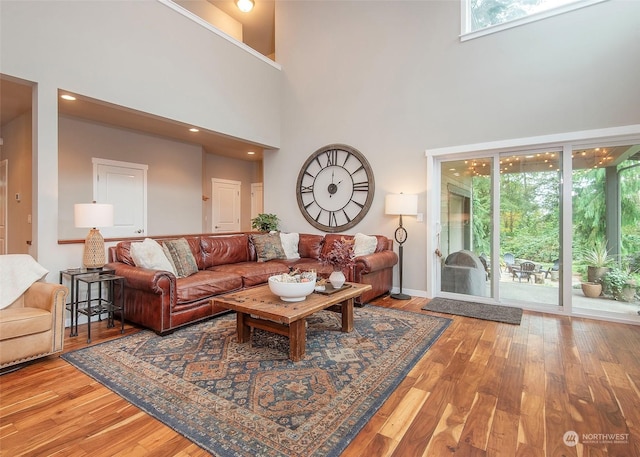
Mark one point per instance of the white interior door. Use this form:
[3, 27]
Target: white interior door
[3, 206]
[257, 199]
[225, 209]
[124, 185]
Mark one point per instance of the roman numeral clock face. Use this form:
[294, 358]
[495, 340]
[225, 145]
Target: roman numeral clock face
[335, 188]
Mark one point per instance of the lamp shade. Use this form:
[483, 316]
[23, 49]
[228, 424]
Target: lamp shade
[401, 204]
[93, 215]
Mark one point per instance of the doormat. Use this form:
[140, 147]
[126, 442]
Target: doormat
[497, 313]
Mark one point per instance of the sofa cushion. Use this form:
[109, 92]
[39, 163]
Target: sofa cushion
[268, 246]
[206, 283]
[364, 244]
[221, 250]
[182, 258]
[331, 238]
[123, 253]
[16, 322]
[254, 273]
[149, 254]
[290, 245]
[310, 246]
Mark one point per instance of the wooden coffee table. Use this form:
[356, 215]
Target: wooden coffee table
[258, 307]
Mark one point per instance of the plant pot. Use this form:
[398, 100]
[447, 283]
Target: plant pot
[337, 279]
[628, 292]
[594, 274]
[591, 289]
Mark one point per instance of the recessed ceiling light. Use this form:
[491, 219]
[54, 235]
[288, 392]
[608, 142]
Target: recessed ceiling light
[193, 129]
[68, 97]
[251, 153]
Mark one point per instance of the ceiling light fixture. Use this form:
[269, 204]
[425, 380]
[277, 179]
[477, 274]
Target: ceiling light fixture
[245, 5]
[251, 153]
[67, 97]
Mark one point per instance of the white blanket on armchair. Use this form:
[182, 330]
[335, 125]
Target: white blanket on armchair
[17, 273]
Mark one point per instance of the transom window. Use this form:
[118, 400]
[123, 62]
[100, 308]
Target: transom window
[480, 17]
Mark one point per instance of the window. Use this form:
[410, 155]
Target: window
[480, 17]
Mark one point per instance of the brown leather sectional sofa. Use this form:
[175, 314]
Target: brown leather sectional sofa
[160, 301]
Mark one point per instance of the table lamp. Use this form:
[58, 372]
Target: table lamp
[399, 205]
[93, 215]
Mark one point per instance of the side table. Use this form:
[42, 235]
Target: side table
[96, 306]
[72, 306]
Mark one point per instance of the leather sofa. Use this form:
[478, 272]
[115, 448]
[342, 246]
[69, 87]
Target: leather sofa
[158, 300]
[33, 325]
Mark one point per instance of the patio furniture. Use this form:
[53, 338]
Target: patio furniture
[555, 267]
[485, 264]
[525, 270]
[463, 273]
[509, 262]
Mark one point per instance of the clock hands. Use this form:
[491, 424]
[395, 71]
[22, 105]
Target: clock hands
[333, 187]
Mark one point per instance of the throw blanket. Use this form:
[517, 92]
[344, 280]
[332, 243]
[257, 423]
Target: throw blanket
[17, 273]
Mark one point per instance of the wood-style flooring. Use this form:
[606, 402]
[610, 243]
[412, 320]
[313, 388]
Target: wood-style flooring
[483, 389]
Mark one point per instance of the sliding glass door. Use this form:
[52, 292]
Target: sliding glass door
[530, 227]
[533, 227]
[466, 227]
[606, 229]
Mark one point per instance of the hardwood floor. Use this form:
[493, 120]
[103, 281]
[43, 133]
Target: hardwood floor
[483, 389]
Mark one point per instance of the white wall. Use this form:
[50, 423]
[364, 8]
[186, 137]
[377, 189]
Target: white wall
[392, 79]
[16, 149]
[220, 167]
[173, 176]
[214, 16]
[138, 54]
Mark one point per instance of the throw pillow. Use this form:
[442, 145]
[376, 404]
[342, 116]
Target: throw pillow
[268, 246]
[364, 244]
[182, 257]
[149, 254]
[290, 245]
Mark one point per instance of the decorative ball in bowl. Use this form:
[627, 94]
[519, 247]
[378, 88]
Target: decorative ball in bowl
[292, 288]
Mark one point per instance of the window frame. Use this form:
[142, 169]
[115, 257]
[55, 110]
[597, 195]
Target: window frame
[465, 16]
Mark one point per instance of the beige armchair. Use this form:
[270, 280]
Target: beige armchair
[33, 325]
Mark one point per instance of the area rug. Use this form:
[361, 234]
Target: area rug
[498, 313]
[250, 399]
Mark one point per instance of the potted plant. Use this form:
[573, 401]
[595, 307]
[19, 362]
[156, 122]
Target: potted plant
[591, 289]
[620, 284]
[265, 222]
[598, 261]
[340, 257]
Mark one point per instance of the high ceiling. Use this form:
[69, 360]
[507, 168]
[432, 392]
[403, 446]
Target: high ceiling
[258, 30]
[15, 100]
[258, 33]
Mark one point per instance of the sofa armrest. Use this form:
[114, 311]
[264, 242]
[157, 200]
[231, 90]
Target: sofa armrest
[46, 295]
[155, 281]
[374, 262]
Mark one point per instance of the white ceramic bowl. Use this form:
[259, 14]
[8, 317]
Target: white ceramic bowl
[290, 291]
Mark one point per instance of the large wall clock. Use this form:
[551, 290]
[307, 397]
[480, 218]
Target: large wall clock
[335, 188]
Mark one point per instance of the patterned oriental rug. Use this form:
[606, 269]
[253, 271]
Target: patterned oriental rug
[250, 399]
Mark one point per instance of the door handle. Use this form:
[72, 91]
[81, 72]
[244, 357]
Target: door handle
[139, 231]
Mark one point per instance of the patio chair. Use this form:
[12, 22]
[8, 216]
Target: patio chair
[509, 262]
[555, 267]
[485, 264]
[526, 270]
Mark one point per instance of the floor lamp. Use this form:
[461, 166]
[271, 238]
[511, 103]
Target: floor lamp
[93, 215]
[399, 205]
